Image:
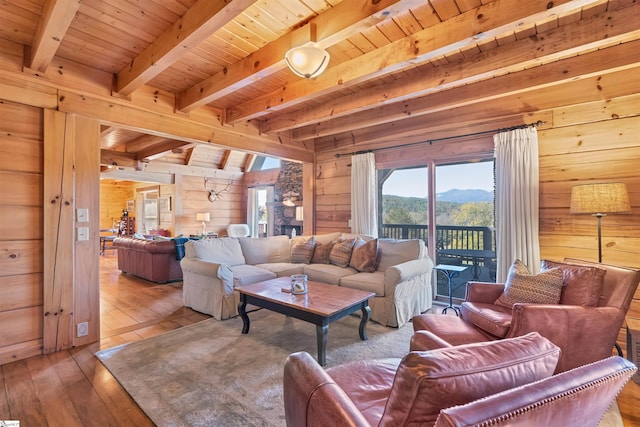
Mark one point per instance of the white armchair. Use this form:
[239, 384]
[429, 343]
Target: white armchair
[238, 230]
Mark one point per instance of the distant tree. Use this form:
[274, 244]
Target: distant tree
[398, 215]
[478, 214]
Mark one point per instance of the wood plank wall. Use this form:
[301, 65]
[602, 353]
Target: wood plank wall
[21, 231]
[192, 198]
[113, 199]
[590, 142]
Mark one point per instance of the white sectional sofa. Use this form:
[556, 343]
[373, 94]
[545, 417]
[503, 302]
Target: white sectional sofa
[400, 277]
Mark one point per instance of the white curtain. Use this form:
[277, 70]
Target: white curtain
[364, 195]
[517, 200]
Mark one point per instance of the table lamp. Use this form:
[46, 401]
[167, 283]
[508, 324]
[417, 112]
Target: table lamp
[205, 217]
[599, 200]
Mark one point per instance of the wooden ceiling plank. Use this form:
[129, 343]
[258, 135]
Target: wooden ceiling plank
[446, 9]
[195, 26]
[599, 62]
[566, 39]
[487, 22]
[327, 29]
[56, 18]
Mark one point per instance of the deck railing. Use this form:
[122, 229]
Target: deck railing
[447, 236]
[452, 237]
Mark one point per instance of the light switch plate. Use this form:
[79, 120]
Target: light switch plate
[83, 215]
[83, 234]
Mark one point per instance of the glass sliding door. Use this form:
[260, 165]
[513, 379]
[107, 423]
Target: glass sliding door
[404, 204]
[464, 206]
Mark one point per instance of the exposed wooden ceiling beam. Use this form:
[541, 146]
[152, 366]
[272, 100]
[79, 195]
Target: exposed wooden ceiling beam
[530, 108]
[160, 150]
[513, 57]
[327, 29]
[195, 26]
[489, 21]
[224, 162]
[601, 62]
[248, 162]
[56, 18]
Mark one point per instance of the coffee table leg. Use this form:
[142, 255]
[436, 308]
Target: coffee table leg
[366, 314]
[321, 337]
[242, 310]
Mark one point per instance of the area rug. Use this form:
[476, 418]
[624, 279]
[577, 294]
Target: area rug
[209, 374]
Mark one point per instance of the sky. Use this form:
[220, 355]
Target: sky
[467, 176]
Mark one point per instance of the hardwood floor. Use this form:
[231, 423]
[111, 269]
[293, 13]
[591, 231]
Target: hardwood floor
[72, 388]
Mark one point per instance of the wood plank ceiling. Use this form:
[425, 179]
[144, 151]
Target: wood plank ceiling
[395, 64]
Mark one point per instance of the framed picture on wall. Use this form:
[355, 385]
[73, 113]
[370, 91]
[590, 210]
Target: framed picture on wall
[131, 205]
[164, 204]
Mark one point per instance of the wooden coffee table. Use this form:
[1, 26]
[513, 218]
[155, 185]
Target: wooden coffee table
[322, 305]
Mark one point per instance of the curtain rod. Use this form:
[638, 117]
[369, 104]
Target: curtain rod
[431, 141]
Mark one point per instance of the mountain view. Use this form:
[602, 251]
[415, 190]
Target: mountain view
[453, 207]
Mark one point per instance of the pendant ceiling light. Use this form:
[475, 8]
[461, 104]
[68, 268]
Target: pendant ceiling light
[307, 61]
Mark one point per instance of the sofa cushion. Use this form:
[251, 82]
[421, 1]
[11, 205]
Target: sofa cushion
[225, 250]
[248, 274]
[372, 282]
[582, 284]
[260, 250]
[302, 252]
[523, 287]
[393, 252]
[321, 253]
[427, 382]
[327, 273]
[341, 251]
[491, 318]
[365, 255]
[282, 268]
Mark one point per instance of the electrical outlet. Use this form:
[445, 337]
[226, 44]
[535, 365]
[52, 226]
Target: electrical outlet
[83, 329]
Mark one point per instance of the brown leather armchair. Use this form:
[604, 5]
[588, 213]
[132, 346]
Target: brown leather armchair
[414, 390]
[584, 333]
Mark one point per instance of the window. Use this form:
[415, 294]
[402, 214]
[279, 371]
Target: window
[259, 212]
[263, 163]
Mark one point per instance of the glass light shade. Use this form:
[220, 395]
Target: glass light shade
[299, 213]
[307, 61]
[601, 198]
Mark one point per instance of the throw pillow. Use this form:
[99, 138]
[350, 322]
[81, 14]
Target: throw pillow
[321, 253]
[302, 253]
[340, 254]
[582, 284]
[364, 255]
[523, 287]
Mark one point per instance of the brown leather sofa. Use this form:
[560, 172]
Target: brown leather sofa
[505, 382]
[153, 260]
[585, 333]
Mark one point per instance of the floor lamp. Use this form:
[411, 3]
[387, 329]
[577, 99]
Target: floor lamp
[599, 200]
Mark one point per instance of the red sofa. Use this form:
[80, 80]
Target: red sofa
[153, 260]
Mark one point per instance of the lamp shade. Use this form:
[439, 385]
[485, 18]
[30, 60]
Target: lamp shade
[204, 217]
[600, 198]
[307, 61]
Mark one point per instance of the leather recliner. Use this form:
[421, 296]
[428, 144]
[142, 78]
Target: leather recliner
[584, 333]
[416, 389]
